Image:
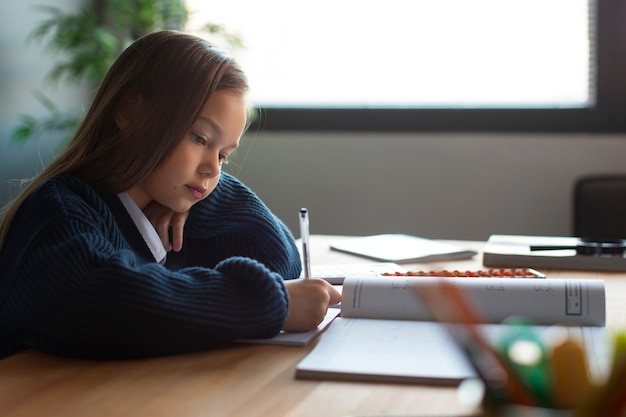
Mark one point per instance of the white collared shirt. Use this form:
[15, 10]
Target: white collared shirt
[147, 230]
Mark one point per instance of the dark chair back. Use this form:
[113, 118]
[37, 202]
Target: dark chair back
[600, 206]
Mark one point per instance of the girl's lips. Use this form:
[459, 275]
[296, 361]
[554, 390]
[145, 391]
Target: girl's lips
[197, 192]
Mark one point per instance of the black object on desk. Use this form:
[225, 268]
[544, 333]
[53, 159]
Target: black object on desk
[590, 247]
[554, 252]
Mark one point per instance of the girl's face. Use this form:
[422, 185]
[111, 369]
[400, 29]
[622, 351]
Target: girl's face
[192, 171]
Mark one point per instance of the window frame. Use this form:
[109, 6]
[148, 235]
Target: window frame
[607, 115]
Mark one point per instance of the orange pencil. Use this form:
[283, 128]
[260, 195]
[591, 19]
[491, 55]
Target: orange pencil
[449, 306]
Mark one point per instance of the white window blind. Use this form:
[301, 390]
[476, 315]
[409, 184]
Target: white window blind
[411, 53]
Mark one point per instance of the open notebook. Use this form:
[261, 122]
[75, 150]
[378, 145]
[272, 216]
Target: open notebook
[386, 334]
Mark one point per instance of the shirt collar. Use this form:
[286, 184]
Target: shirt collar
[149, 234]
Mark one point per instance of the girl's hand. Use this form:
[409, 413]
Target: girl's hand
[163, 219]
[308, 301]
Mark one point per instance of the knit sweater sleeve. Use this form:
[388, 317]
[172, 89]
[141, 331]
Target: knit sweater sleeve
[233, 221]
[71, 285]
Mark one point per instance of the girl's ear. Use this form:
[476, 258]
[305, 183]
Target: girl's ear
[126, 111]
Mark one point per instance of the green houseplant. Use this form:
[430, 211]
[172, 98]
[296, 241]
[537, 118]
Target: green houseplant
[87, 42]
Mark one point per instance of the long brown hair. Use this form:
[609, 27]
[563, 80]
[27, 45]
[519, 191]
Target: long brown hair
[174, 73]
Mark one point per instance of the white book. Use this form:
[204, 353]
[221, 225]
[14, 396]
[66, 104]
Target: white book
[543, 301]
[386, 334]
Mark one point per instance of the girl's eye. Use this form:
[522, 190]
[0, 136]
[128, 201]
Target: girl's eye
[198, 139]
[202, 141]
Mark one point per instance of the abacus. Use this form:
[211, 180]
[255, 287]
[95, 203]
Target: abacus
[495, 273]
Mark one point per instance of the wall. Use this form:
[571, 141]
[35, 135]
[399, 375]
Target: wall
[464, 186]
[23, 68]
[435, 185]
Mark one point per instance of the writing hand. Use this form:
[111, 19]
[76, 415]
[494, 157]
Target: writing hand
[308, 301]
[164, 219]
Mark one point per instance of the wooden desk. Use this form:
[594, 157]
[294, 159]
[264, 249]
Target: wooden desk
[243, 380]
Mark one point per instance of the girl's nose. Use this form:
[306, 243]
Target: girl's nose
[210, 165]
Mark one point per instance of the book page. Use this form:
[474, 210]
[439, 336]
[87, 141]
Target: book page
[420, 351]
[386, 350]
[543, 301]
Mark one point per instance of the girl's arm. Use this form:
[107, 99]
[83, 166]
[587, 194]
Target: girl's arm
[83, 297]
[233, 221]
[71, 285]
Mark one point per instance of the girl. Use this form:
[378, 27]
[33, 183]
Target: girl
[83, 271]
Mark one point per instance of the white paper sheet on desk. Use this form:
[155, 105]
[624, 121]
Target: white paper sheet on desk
[401, 248]
[298, 338]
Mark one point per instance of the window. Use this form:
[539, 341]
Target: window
[522, 65]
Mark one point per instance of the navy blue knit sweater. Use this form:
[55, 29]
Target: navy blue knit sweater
[77, 279]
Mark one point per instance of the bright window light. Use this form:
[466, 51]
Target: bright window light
[411, 54]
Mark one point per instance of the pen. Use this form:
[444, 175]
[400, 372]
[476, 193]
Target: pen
[304, 236]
